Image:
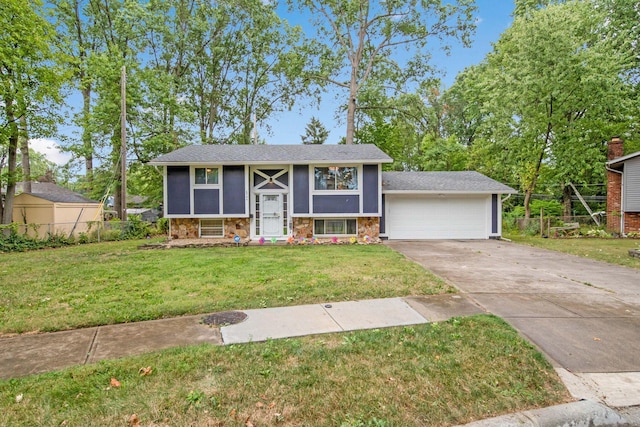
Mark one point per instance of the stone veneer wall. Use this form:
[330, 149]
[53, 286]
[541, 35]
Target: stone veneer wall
[367, 226]
[189, 228]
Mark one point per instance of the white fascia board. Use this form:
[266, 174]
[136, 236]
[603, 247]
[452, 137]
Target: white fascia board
[435, 192]
[271, 162]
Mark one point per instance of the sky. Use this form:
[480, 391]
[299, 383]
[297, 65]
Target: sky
[493, 17]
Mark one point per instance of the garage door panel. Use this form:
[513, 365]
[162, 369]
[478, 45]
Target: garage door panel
[437, 217]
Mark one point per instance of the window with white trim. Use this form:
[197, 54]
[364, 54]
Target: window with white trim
[335, 227]
[206, 176]
[211, 228]
[336, 178]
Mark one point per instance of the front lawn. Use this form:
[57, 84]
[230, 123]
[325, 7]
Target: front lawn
[614, 251]
[115, 282]
[425, 375]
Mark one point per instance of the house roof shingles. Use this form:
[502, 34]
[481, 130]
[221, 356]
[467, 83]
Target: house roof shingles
[54, 193]
[442, 182]
[273, 154]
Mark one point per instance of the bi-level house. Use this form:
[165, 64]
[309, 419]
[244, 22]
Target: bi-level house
[322, 191]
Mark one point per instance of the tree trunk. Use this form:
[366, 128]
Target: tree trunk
[24, 150]
[87, 144]
[11, 161]
[527, 208]
[566, 201]
[351, 109]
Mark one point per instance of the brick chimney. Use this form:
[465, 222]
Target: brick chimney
[615, 149]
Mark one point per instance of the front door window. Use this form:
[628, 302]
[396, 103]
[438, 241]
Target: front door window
[271, 215]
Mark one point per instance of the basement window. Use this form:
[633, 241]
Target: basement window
[211, 228]
[335, 227]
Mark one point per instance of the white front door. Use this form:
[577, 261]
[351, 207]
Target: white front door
[271, 215]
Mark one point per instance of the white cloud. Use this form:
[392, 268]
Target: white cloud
[50, 149]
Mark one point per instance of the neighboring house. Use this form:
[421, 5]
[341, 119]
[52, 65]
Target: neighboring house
[623, 189]
[54, 210]
[323, 191]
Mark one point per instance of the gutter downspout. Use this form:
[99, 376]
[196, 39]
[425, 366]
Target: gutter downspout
[621, 198]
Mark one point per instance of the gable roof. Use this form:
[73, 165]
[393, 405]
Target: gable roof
[54, 193]
[272, 154]
[442, 182]
[616, 163]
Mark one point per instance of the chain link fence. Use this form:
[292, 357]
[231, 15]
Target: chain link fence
[85, 232]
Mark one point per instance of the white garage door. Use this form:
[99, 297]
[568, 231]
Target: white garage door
[436, 217]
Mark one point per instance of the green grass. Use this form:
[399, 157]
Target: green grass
[614, 251]
[115, 282]
[436, 374]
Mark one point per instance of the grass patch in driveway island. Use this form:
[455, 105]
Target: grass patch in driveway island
[115, 282]
[424, 375]
[613, 251]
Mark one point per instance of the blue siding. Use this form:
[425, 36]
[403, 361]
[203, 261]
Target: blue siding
[494, 213]
[336, 204]
[178, 202]
[233, 190]
[383, 218]
[300, 189]
[206, 201]
[370, 189]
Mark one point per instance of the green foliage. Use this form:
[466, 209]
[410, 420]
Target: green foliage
[444, 154]
[315, 132]
[13, 240]
[544, 97]
[357, 43]
[549, 207]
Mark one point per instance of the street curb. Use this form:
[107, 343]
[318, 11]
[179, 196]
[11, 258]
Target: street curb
[583, 413]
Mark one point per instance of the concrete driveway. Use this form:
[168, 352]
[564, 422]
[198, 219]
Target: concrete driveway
[583, 314]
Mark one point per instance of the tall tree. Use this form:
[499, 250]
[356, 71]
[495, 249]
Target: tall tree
[551, 92]
[315, 132]
[30, 82]
[359, 42]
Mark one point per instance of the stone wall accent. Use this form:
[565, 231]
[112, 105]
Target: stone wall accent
[237, 227]
[185, 228]
[189, 228]
[369, 226]
[302, 227]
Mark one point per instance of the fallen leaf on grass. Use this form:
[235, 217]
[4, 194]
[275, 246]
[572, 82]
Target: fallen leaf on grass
[115, 383]
[248, 423]
[134, 421]
[259, 405]
[232, 414]
[272, 405]
[145, 371]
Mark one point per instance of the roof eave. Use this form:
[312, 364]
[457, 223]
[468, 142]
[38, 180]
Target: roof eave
[270, 162]
[448, 191]
[617, 162]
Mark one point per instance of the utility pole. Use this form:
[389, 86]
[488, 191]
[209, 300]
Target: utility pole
[123, 144]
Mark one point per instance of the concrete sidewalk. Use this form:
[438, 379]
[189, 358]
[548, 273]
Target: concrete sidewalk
[31, 354]
[36, 353]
